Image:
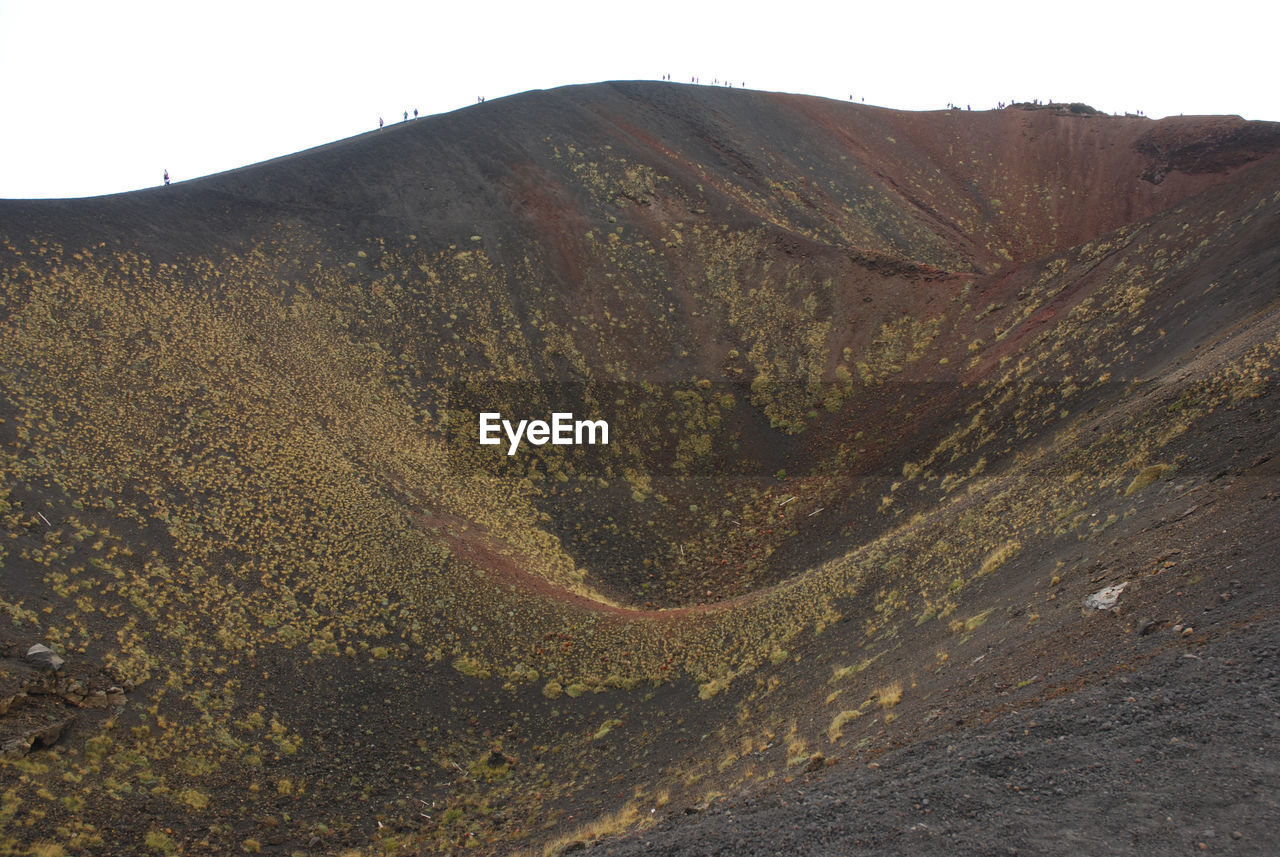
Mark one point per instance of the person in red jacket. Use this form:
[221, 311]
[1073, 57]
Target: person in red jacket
[166, 178]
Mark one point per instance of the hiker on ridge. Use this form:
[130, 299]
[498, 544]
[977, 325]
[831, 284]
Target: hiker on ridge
[166, 178]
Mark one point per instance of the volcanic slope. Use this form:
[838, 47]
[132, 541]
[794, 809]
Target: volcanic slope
[886, 392]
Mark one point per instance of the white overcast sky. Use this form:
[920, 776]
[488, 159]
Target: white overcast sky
[103, 96]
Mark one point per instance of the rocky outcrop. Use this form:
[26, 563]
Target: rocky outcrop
[42, 656]
[1200, 144]
[42, 697]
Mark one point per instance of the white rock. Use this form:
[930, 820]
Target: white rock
[44, 656]
[1106, 598]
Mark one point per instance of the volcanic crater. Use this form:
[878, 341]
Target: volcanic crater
[889, 395]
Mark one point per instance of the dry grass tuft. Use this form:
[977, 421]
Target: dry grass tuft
[607, 825]
[889, 695]
[1146, 477]
[964, 626]
[999, 557]
[836, 730]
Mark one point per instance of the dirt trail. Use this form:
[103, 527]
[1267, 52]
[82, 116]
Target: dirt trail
[499, 560]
